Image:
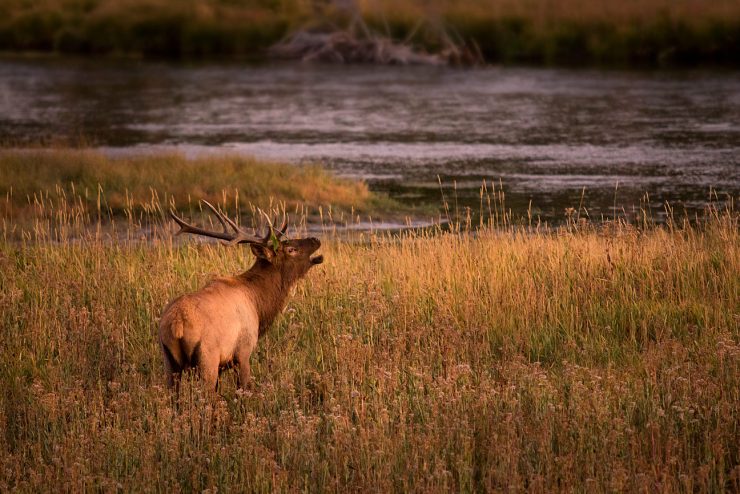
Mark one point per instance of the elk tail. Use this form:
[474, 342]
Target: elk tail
[177, 325]
[171, 332]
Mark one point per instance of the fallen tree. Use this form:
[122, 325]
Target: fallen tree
[358, 43]
[344, 47]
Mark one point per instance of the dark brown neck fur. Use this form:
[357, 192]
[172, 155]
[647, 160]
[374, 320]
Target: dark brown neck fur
[270, 287]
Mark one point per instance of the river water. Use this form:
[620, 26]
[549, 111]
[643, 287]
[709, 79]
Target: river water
[555, 138]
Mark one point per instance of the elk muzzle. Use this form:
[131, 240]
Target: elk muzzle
[315, 244]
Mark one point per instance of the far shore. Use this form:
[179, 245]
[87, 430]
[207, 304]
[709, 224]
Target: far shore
[652, 33]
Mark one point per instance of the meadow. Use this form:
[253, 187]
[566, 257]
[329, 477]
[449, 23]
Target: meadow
[592, 357]
[648, 32]
[55, 180]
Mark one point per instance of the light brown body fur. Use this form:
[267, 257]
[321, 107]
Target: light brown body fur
[218, 326]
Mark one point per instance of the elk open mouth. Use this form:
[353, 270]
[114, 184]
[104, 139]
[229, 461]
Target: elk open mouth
[317, 260]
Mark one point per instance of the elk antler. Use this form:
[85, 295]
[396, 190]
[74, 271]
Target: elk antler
[272, 231]
[238, 236]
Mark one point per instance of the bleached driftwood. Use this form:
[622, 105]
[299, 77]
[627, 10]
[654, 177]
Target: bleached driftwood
[357, 43]
[342, 47]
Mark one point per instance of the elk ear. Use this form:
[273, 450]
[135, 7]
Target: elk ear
[262, 252]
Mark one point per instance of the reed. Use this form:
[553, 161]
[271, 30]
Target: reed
[587, 358]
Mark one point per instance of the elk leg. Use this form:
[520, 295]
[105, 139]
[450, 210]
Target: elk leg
[173, 378]
[171, 366]
[208, 368]
[244, 379]
[173, 381]
[173, 371]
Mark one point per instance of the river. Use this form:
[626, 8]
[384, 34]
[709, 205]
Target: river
[554, 138]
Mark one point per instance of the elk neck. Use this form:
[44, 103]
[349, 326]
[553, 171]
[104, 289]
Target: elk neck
[270, 289]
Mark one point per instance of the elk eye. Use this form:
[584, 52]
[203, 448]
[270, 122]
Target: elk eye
[291, 250]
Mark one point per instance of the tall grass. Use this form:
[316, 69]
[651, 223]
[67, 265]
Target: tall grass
[161, 28]
[49, 182]
[534, 31]
[575, 31]
[585, 359]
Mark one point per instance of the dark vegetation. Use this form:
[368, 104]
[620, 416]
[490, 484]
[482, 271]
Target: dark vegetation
[650, 32]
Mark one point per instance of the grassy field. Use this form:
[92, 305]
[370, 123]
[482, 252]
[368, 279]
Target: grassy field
[588, 359]
[532, 31]
[52, 182]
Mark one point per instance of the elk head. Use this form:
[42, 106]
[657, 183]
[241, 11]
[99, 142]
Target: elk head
[292, 258]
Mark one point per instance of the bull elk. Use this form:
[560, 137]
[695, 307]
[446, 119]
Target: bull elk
[218, 326]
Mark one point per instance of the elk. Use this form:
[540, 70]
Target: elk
[218, 326]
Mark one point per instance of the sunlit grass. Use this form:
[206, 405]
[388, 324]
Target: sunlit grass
[54, 180]
[584, 359]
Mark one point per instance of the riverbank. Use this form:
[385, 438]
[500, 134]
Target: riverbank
[61, 179]
[650, 33]
[605, 358]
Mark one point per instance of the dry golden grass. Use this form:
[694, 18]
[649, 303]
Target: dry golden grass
[53, 180]
[579, 360]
